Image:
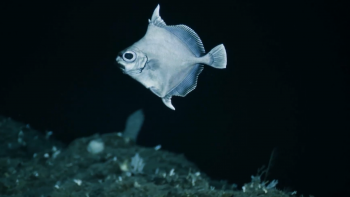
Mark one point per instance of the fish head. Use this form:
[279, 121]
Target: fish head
[131, 61]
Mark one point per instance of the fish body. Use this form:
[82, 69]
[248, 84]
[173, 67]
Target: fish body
[168, 59]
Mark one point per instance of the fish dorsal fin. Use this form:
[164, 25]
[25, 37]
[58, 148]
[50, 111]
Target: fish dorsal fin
[156, 19]
[188, 37]
[184, 33]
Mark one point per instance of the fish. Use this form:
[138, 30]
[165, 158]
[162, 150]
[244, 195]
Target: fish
[169, 59]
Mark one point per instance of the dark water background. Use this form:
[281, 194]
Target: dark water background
[285, 86]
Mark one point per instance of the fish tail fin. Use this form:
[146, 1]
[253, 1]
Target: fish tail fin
[218, 57]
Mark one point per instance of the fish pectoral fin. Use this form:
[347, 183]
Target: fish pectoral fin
[167, 102]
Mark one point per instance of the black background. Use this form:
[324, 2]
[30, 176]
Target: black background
[285, 86]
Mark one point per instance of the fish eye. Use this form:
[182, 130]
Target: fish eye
[129, 56]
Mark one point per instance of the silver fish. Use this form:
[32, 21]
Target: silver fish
[168, 59]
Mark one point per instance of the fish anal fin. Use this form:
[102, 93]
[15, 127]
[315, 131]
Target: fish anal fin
[167, 102]
[188, 84]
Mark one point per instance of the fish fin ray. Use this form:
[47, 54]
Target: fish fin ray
[189, 83]
[189, 37]
[218, 57]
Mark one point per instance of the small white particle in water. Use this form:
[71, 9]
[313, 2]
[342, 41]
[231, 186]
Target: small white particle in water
[78, 181]
[48, 134]
[171, 173]
[136, 184]
[54, 148]
[35, 173]
[55, 154]
[158, 147]
[96, 146]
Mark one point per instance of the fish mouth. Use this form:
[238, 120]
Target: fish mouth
[120, 63]
[122, 67]
[132, 71]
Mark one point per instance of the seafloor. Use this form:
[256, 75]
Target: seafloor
[34, 164]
